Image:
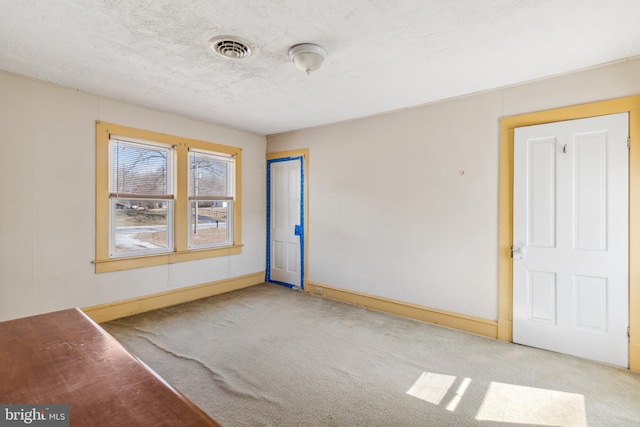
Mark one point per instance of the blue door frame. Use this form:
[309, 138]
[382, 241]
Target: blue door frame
[299, 231]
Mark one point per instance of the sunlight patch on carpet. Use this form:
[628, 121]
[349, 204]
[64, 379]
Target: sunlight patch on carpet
[516, 404]
[459, 393]
[431, 387]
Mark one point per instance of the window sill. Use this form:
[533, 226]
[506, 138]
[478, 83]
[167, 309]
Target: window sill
[119, 264]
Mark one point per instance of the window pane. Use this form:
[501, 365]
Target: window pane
[209, 175]
[139, 169]
[140, 226]
[209, 223]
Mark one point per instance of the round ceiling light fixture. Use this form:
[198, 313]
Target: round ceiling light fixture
[308, 57]
[231, 47]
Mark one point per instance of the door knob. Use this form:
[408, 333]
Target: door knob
[517, 252]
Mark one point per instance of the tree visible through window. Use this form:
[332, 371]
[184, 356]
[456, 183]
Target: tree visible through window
[163, 199]
[141, 198]
[210, 199]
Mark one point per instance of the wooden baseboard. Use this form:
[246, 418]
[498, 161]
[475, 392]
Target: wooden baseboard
[474, 325]
[115, 310]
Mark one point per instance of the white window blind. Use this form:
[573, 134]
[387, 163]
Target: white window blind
[210, 176]
[141, 197]
[140, 170]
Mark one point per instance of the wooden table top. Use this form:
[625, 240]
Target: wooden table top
[66, 358]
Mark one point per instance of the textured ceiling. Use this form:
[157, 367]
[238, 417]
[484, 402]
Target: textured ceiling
[382, 55]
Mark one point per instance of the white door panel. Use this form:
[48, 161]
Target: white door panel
[570, 237]
[285, 222]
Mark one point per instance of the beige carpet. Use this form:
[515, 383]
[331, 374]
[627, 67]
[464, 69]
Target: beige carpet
[270, 356]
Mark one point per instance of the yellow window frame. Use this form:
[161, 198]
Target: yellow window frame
[181, 252]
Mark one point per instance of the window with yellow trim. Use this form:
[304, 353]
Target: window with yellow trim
[210, 199]
[162, 199]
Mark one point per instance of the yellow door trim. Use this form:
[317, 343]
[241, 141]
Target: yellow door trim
[629, 104]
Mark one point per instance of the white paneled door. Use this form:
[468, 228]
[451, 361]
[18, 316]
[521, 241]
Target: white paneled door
[286, 221]
[570, 237]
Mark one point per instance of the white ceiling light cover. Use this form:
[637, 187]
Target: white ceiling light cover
[307, 56]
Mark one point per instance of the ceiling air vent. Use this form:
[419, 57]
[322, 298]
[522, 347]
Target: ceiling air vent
[230, 47]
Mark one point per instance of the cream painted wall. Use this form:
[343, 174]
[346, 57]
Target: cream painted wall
[47, 188]
[405, 205]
